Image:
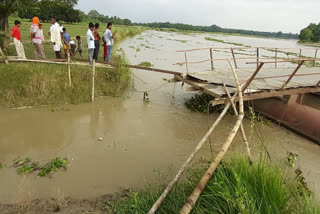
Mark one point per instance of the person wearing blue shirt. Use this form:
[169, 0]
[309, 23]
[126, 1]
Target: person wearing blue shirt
[108, 37]
[66, 42]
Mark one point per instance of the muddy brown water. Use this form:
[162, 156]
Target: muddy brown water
[138, 138]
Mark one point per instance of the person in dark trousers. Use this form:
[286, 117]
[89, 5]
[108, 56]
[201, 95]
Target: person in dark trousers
[97, 39]
[90, 42]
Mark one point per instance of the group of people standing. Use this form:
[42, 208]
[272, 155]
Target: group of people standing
[60, 38]
[93, 40]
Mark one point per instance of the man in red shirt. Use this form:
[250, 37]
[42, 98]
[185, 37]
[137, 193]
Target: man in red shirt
[16, 34]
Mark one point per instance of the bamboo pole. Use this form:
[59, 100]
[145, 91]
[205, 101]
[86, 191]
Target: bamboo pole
[69, 70]
[243, 133]
[315, 57]
[234, 58]
[258, 54]
[93, 76]
[191, 201]
[165, 193]
[300, 53]
[211, 57]
[276, 53]
[185, 56]
[3, 56]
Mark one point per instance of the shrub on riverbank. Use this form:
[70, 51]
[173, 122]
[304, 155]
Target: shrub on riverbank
[236, 187]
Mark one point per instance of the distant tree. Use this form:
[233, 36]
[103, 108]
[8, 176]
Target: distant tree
[8, 7]
[306, 35]
[311, 33]
[46, 9]
[93, 14]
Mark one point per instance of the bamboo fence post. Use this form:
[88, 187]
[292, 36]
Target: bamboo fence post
[300, 53]
[93, 77]
[185, 56]
[3, 56]
[243, 133]
[69, 70]
[258, 54]
[165, 193]
[276, 62]
[211, 57]
[234, 58]
[191, 201]
[315, 57]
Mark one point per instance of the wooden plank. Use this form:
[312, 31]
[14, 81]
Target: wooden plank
[147, 69]
[294, 72]
[272, 93]
[211, 89]
[253, 76]
[225, 48]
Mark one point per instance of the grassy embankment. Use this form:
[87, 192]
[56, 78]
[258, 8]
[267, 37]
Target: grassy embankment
[24, 84]
[236, 187]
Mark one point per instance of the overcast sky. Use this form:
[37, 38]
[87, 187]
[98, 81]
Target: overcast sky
[261, 15]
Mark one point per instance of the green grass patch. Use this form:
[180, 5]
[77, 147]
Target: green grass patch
[146, 64]
[222, 41]
[36, 84]
[237, 187]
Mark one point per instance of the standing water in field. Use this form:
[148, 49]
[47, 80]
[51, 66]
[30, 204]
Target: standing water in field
[118, 142]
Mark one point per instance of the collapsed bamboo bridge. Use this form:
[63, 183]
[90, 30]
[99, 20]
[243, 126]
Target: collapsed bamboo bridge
[248, 78]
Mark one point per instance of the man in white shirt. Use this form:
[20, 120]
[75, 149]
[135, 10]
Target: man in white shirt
[90, 41]
[108, 37]
[55, 34]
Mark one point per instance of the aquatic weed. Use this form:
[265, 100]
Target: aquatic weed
[52, 166]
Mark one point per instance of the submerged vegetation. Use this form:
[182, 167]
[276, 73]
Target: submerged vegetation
[217, 29]
[146, 64]
[238, 186]
[27, 165]
[222, 41]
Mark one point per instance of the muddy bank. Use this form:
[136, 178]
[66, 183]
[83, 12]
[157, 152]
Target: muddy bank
[62, 205]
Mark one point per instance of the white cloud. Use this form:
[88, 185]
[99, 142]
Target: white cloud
[262, 15]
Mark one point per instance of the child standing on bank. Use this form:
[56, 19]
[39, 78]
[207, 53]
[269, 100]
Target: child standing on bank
[16, 34]
[42, 38]
[66, 39]
[79, 46]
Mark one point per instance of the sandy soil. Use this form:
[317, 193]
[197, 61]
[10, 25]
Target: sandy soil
[61, 206]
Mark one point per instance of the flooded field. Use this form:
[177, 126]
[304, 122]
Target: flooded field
[137, 138]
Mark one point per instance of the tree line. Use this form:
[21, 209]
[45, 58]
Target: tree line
[310, 33]
[64, 10]
[217, 29]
